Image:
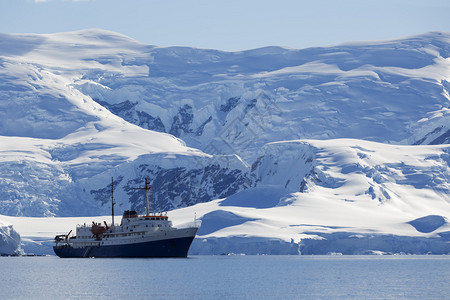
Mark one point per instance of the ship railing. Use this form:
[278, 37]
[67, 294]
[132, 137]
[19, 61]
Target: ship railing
[61, 240]
[90, 225]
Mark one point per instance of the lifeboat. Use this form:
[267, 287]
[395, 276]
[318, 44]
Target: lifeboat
[97, 229]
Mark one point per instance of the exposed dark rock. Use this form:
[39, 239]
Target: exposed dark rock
[127, 111]
[179, 187]
[104, 195]
[149, 122]
[231, 103]
[442, 139]
[199, 130]
[182, 121]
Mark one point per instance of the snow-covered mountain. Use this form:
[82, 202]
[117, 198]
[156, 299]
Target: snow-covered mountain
[60, 148]
[307, 134]
[222, 102]
[235, 102]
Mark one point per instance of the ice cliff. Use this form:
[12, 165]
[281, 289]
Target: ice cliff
[9, 240]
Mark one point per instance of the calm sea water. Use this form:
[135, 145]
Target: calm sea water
[227, 277]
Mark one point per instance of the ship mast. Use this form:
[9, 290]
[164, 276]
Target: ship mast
[147, 189]
[112, 201]
[147, 194]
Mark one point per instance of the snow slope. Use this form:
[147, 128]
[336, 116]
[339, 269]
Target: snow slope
[354, 197]
[357, 197]
[235, 102]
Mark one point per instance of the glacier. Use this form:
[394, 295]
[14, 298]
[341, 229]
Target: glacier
[353, 197]
[10, 241]
[340, 149]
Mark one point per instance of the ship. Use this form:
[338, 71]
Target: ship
[149, 235]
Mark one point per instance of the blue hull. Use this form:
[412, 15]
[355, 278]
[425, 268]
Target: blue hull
[163, 248]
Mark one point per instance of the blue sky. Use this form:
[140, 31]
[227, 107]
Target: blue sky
[231, 24]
